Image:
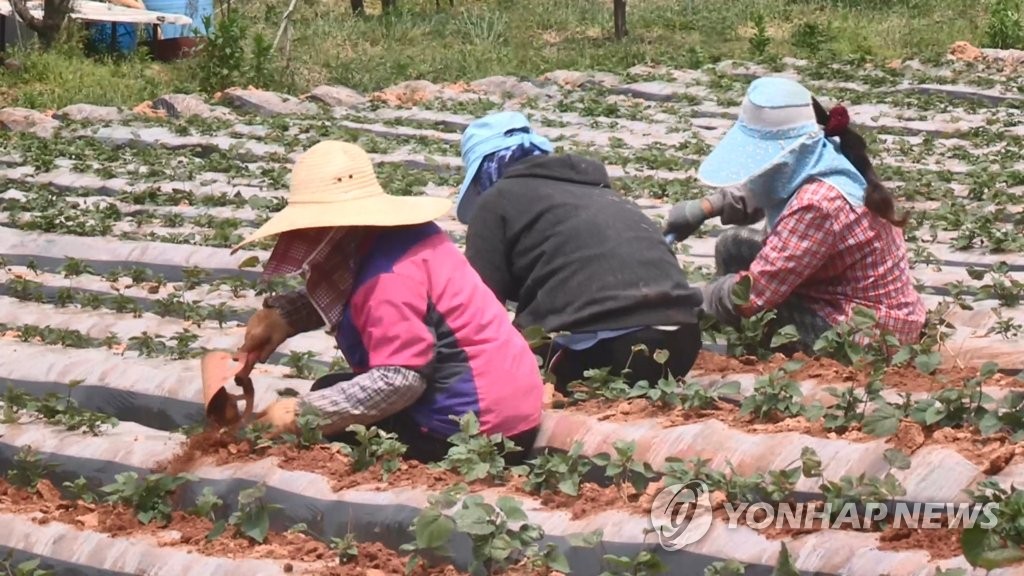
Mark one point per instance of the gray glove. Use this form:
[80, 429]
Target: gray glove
[685, 218]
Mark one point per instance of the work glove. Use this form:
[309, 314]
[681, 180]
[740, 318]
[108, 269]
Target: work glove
[686, 217]
[264, 332]
[281, 416]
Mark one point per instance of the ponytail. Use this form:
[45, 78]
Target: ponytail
[877, 198]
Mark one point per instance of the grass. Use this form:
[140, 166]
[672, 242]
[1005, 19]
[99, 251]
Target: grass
[526, 38]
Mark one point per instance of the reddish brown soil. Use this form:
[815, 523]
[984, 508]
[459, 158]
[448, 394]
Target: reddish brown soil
[940, 544]
[830, 372]
[190, 532]
[992, 454]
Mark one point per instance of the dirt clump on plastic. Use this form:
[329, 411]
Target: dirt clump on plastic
[828, 372]
[939, 543]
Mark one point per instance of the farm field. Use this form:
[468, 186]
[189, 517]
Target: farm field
[116, 276]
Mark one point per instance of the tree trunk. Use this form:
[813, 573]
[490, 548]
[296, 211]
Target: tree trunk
[358, 8]
[619, 8]
[55, 12]
[388, 5]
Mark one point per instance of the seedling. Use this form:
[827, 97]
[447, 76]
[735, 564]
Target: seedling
[374, 445]
[1002, 543]
[726, 568]
[26, 568]
[645, 563]
[206, 504]
[624, 468]
[347, 548]
[28, 469]
[80, 489]
[252, 519]
[149, 497]
[310, 423]
[474, 455]
[776, 396]
[553, 471]
[301, 364]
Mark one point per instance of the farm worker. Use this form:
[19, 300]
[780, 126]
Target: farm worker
[833, 240]
[548, 232]
[425, 337]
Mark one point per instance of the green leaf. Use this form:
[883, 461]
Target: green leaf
[784, 566]
[741, 291]
[250, 262]
[810, 462]
[511, 508]
[883, 421]
[661, 356]
[928, 363]
[557, 561]
[813, 412]
[256, 526]
[730, 387]
[217, 530]
[784, 336]
[433, 529]
[897, 459]
[586, 539]
[975, 542]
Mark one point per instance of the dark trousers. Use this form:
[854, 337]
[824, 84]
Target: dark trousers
[682, 344]
[422, 446]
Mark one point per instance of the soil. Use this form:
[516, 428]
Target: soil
[830, 372]
[992, 454]
[190, 532]
[217, 448]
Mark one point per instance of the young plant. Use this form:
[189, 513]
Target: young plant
[206, 504]
[251, 519]
[374, 445]
[80, 489]
[28, 469]
[553, 471]
[776, 396]
[26, 568]
[309, 422]
[347, 548]
[1002, 542]
[151, 497]
[624, 468]
[475, 455]
[645, 563]
[496, 544]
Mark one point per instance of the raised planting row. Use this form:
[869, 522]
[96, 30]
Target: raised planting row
[366, 491]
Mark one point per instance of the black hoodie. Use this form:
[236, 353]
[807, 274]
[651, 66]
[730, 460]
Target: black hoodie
[552, 236]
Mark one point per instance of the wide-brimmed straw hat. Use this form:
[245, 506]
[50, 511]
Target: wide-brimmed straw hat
[334, 184]
[777, 114]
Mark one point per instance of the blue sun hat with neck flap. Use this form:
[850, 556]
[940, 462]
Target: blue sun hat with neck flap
[485, 136]
[775, 147]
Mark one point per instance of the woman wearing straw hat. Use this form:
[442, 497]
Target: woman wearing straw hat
[425, 337]
[833, 240]
[548, 232]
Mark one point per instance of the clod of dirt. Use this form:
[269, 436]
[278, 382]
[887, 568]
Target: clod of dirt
[965, 52]
[909, 437]
[940, 544]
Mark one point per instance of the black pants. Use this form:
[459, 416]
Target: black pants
[422, 446]
[682, 344]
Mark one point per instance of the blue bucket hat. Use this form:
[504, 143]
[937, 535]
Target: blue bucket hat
[486, 136]
[775, 147]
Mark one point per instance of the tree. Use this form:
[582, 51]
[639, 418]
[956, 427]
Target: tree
[619, 9]
[55, 12]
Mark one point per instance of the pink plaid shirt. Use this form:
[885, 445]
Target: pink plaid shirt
[834, 257]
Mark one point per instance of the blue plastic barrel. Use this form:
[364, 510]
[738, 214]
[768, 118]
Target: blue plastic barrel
[127, 37]
[194, 9]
